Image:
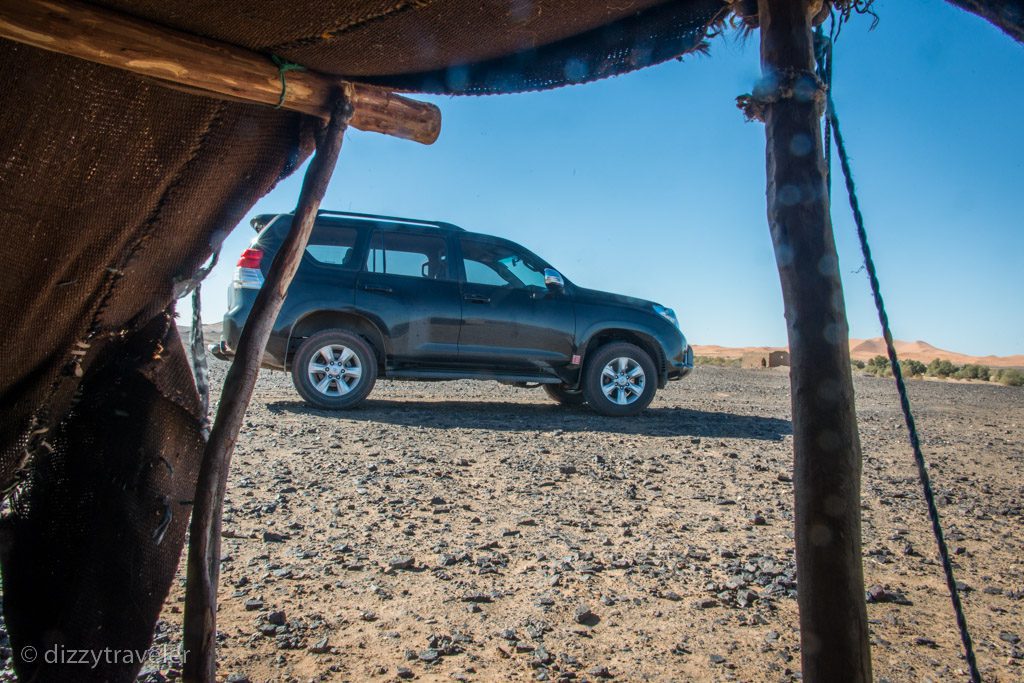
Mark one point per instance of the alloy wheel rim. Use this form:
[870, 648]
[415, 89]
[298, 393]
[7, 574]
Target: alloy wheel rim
[334, 370]
[623, 381]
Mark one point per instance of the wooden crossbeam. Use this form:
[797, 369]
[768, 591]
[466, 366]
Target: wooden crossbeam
[209, 66]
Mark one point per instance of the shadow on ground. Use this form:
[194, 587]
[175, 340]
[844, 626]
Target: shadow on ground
[508, 416]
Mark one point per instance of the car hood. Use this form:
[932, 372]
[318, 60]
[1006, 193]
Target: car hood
[584, 295]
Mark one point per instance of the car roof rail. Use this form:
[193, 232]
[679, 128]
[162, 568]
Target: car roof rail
[262, 220]
[390, 219]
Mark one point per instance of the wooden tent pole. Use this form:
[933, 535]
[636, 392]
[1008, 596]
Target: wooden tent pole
[826, 444]
[203, 568]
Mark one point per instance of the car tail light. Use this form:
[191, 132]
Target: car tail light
[248, 274]
[250, 258]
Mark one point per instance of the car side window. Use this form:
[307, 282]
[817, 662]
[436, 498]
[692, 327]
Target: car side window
[478, 273]
[332, 246]
[409, 254]
[490, 263]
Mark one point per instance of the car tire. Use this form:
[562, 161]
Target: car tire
[334, 369]
[560, 393]
[619, 380]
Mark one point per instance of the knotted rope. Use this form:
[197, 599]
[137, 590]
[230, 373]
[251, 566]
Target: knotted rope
[283, 67]
[824, 56]
[798, 84]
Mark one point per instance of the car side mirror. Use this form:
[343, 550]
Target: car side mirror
[553, 279]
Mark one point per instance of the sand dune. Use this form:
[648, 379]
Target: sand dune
[864, 349]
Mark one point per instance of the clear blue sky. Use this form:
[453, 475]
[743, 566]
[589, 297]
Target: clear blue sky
[652, 184]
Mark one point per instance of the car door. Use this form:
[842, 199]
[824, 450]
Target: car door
[510, 319]
[406, 286]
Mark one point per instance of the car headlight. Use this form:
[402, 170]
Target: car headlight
[667, 313]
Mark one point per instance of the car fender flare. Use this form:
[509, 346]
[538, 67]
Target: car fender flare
[606, 332]
[368, 326]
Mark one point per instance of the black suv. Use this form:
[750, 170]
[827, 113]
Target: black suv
[377, 296]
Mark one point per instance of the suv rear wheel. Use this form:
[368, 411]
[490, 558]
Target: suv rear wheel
[334, 369]
[564, 395]
[620, 380]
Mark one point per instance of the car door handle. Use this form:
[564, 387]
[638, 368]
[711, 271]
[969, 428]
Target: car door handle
[477, 298]
[377, 288]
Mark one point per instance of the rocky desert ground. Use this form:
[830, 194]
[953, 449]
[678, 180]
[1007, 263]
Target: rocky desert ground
[478, 532]
[473, 531]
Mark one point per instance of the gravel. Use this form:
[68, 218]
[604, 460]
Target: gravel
[650, 548]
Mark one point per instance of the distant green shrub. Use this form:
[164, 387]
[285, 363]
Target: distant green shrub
[878, 366]
[912, 368]
[716, 360]
[859, 364]
[1011, 377]
[941, 368]
[972, 371]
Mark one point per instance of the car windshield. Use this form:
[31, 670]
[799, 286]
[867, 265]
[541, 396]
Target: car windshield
[524, 271]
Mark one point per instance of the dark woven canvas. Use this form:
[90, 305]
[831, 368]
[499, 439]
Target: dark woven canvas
[113, 187]
[1006, 14]
[451, 46]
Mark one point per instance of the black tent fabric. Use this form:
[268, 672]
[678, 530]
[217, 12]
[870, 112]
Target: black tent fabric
[112, 188]
[450, 46]
[1006, 14]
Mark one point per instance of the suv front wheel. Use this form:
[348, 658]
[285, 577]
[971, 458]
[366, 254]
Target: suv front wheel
[620, 380]
[334, 369]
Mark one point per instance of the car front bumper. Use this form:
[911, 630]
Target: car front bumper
[682, 365]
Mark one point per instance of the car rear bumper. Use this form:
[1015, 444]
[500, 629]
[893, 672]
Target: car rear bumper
[682, 365]
[275, 354]
[222, 351]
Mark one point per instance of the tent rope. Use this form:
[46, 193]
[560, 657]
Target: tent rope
[832, 120]
[283, 67]
[197, 345]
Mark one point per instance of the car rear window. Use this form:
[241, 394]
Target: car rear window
[333, 246]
